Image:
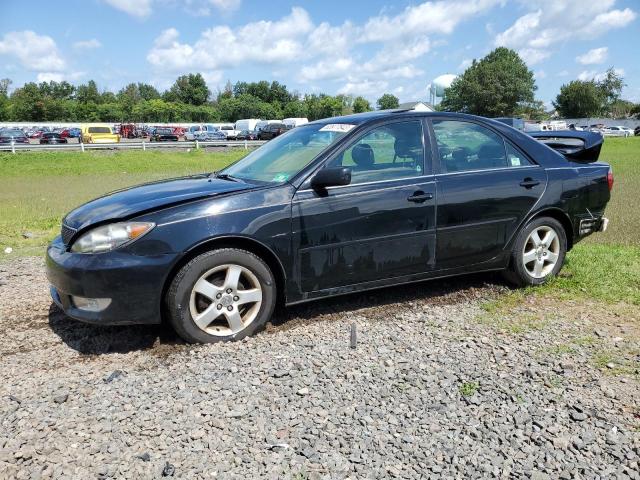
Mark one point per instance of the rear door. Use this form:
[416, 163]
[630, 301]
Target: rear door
[380, 226]
[485, 187]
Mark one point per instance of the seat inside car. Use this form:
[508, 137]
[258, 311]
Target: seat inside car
[363, 157]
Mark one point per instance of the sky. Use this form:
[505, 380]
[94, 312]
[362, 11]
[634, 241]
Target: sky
[353, 47]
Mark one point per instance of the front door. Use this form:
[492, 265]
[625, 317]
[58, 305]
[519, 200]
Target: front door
[485, 187]
[380, 226]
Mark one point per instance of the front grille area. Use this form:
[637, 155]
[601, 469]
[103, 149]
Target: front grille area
[67, 233]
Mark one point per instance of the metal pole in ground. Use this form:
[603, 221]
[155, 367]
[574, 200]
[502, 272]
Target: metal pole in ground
[82, 146]
[197, 145]
[245, 143]
[144, 149]
[13, 147]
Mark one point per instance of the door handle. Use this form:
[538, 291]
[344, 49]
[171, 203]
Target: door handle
[529, 183]
[420, 196]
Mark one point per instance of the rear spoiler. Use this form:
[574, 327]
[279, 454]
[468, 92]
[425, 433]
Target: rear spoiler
[576, 145]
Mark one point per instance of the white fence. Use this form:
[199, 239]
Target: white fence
[17, 147]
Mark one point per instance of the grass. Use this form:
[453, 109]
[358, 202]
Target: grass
[624, 156]
[604, 267]
[468, 389]
[38, 189]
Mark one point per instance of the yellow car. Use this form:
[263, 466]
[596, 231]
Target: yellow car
[98, 134]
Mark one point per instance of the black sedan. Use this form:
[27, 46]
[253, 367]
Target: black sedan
[164, 135]
[247, 135]
[272, 131]
[332, 207]
[52, 139]
[13, 136]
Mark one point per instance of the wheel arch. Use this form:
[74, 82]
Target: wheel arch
[560, 216]
[243, 243]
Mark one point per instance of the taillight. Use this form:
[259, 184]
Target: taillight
[610, 179]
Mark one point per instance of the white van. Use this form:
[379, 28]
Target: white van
[295, 122]
[229, 130]
[247, 124]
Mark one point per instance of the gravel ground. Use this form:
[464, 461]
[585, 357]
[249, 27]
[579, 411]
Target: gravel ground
[430, 391]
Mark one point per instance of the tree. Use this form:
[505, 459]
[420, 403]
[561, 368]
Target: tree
[611, 86]
[5, 84]
[190, 89]
[148, 92]
[88, 93]
[579, 99]
[492, 87]
[621, 109]
[387, 102]
[27, 103]
[531, 110]
[294, 109]
[361, 104]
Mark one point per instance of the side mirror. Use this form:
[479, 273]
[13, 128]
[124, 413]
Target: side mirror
[331, 177]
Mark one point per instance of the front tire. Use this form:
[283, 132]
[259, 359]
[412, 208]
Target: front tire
[538, 252]
[221, 295]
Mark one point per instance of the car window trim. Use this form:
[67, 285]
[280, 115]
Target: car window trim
[358, 133]
[401, 179]
[495, 169]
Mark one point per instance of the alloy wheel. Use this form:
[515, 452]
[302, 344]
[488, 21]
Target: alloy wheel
[225, 300]
[541, 251]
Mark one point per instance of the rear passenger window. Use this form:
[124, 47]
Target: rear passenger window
[467, 146]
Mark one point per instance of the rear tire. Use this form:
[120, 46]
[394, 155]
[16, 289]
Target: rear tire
[538, 252]
[221, 295]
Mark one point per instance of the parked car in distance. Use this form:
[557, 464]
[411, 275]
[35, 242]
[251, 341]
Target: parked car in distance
[263, 123]
[13, 135]
[615, 131]
[190, 133]
[98, 134]
[164, 134]
[272, 131]
[247, 135]
[336, 206]
[210, 133]
[229, 131]
[295, 122]
[246, 124]
[71, 133]
[52, 138]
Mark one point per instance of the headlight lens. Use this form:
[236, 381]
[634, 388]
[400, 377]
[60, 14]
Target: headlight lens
[109, 237]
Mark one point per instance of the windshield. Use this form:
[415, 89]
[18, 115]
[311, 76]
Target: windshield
[286, 155]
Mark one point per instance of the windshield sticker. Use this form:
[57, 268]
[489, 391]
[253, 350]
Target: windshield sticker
[337, 127]
[281, 177]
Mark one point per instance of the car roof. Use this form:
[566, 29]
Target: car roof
[361, 118]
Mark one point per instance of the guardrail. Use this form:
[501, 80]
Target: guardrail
[246, 144]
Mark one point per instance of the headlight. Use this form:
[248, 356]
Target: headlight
[108, 237]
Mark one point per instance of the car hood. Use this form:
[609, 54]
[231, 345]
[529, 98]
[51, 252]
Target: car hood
[150, 196]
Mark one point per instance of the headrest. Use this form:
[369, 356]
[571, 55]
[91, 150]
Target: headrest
[406, 147]
[362, 155]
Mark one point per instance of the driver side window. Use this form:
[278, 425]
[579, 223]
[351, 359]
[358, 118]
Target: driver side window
[388, 152]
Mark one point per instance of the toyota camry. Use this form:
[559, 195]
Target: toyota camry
[336, 206]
